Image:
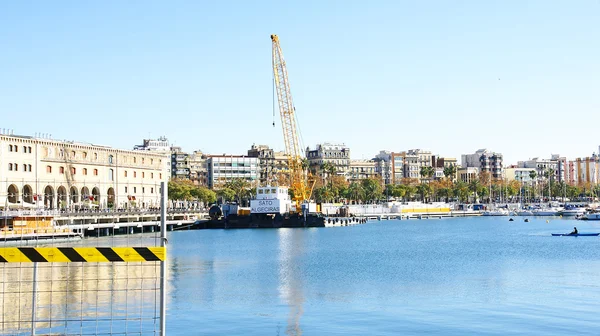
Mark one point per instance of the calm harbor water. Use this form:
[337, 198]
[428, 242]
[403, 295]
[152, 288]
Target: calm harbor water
[459, 276]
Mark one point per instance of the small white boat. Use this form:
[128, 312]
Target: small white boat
[546, 212]
[573, 212]
[497, 212]
[524, 213]
[591, 216]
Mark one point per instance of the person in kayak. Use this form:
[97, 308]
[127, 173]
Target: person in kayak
[574, 231]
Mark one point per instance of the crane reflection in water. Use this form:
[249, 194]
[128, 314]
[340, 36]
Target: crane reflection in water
[291, 249]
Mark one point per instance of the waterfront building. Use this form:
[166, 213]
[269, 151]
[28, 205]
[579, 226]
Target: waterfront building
[384, 166]
[544, 166]
[587, 170]
[570, 172]
[189, 166]
[363, 169]
[40, 172]
[336, 154]
[411, 163]
[272, 165]
[223, 168]
[160, 145]
[398, 163]
[519, 174]
[443, 162]
[485, 161]
[467, 174]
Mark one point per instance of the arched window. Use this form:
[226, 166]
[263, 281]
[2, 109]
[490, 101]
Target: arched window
[84, 171]
[16, 166]
[10, 166]
[151, 175]
[95, 156]
[125, 173]
[10, 148]
[110, 159]
[111, 174]
[143, 160]
[61, 170]
[143, 174]
[95, 172]
[134, 174]
[29, 167]
[24, 149]
[160, 176]
[73, 171]
[73, 154]
[84, 155]
[29, 149]
[134, 159]
[49, 169]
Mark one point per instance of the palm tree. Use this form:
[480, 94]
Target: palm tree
[549, 174]
[355, 191]
[450, 172]
[427, 172]
[532, 176]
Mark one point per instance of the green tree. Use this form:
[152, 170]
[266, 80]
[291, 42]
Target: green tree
[427, 172]
[204, 195]
[450, 172]
[372, 189]
[425, 191]
[240, 188]
[355, 191]
[445, 193]
[226, 194]
[180, 189]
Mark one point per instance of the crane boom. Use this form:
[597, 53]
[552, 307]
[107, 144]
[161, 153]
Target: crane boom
[287, 111]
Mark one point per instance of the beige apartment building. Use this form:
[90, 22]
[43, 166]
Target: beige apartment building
[52, 174]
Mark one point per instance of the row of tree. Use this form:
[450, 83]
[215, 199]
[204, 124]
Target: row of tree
[331, 187]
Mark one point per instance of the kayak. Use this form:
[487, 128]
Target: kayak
[575, 235]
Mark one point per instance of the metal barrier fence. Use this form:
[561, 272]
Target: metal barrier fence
[73, 285]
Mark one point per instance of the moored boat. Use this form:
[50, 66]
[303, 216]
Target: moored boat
[570, 211]
[496, 212]
[576, 234]
[590, 216]
[546, 212]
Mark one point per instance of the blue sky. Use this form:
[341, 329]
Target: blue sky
[518, 77]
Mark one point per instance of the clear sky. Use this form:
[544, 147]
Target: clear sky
[517, 77]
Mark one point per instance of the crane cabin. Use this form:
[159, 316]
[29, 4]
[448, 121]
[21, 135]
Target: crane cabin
[271, 200]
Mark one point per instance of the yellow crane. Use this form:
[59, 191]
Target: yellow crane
[298, 180]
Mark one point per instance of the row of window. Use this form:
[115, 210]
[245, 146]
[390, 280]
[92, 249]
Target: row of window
[143, 174]
[15, 167]
[61, 170]
[84, 155]
[143, 190]
[15, 148]
[84, 171]
[234, 164]
[217, 171]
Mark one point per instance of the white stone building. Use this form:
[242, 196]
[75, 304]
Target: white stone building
[46, 173]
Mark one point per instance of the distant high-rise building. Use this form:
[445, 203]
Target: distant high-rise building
[336, 154]
[544, 167]
[272, 165]
[485, 161]
[223, 168]
[588, 170]
[363, 169]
